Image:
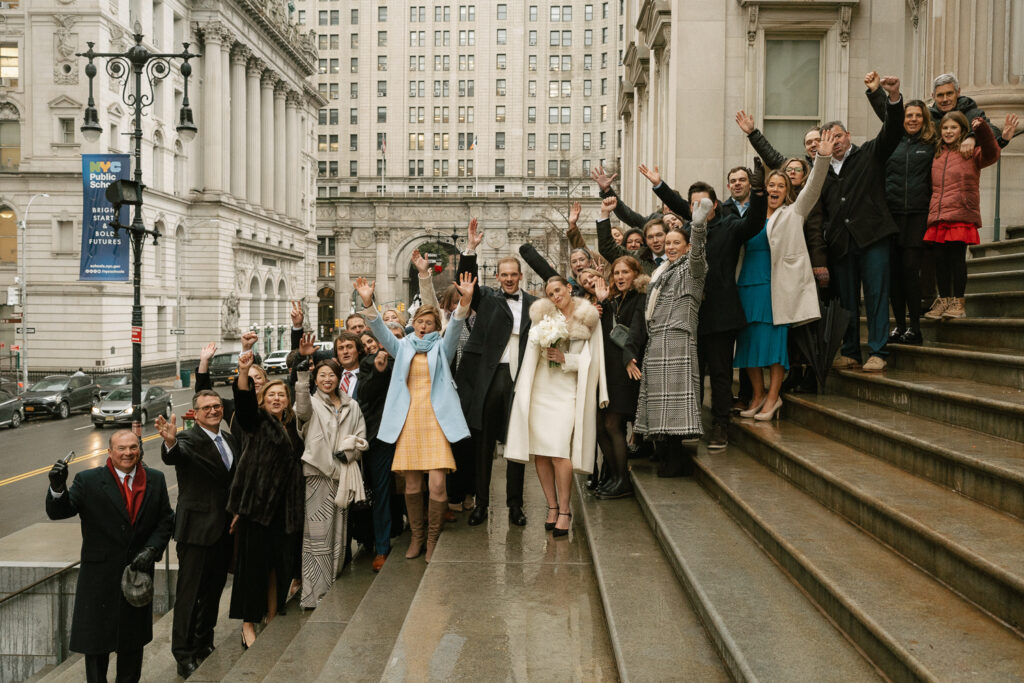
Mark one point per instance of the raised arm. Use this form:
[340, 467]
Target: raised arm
[468, 261]
[606, 245]
[538, 263]
[758, 141]
[573, 233]
[808, 196]
[247, 410]
[892, 128]
[384, 336]
[450, 343]
[698, 238]
[875, 94]
[428, 296]
[673, 200]
[989, 148]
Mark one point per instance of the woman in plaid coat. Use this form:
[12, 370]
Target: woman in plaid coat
[669, 405]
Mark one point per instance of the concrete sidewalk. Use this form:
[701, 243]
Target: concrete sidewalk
[500, 602]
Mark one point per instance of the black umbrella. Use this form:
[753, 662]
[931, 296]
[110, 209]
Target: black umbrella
[819, 341]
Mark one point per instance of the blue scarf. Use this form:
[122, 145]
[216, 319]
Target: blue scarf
[425, 343]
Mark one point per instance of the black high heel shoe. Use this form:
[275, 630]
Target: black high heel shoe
[558, 533]
[548, 526]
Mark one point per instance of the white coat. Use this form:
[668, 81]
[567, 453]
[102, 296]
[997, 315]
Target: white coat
[587, 355]
[794, 290]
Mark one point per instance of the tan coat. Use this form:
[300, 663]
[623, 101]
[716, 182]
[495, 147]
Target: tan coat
[794, 291]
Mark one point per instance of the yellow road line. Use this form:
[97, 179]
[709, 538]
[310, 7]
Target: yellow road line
[77, 458]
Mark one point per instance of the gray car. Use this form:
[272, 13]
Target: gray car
[12, 413]
[116, 408]
[108, 383]
[59, 395]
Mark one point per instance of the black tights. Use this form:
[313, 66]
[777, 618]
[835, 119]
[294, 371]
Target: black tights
[905, 285]
[611, 438]
[951, 268]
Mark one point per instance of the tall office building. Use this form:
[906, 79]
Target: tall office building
[443, 111]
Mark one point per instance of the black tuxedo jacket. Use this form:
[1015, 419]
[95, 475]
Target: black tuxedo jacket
[103, 621]
[203, 482]
[483, 350]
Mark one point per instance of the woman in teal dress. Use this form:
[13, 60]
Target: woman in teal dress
[776, 284]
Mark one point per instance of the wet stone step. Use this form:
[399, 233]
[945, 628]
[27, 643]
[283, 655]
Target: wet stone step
[996, 304]
[999, 263]
[989, 283]
[1002, 247]
[762, 624]
[976, 550]
[935, 360]
[977, 465]
[909, 624]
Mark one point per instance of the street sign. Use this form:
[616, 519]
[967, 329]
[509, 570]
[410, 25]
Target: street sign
[28, 330]
[177, 331]
[136, 335]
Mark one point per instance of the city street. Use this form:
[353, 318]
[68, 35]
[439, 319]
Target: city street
[28, 452]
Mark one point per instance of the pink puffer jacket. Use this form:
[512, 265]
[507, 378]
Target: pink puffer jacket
[956, 195]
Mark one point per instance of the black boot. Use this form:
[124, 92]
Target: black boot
[617, 487]
[793, 379]
[809, 384]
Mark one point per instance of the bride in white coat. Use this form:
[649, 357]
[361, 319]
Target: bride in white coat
[557, 394]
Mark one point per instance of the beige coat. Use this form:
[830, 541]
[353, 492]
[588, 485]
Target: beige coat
[586, 356]
[794, 291]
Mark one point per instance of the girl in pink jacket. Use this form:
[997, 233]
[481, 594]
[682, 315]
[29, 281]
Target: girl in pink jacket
[954, 214]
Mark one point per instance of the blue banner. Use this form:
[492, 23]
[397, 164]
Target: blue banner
[105, 251]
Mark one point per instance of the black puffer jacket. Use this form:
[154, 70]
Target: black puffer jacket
[908, 176]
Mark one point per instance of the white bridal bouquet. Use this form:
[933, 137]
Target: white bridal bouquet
[549, 333]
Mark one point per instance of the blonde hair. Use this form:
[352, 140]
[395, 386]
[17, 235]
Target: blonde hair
[429, 310]
[288, 415]
[790, 193]
[260, 371]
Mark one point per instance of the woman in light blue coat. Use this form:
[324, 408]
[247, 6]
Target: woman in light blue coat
[422, 413]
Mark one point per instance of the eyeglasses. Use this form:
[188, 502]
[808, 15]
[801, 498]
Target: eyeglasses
[210, 409]
[795, 169]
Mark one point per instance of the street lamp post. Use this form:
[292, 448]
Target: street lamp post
[139, 62]
[23, 229]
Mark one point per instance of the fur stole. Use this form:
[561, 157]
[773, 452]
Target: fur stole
[581, 324]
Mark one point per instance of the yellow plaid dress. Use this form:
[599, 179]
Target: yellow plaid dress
[422, 445]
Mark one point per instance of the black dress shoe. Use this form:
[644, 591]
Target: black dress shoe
[912, 336]
[478, 515]
[187, 667]
[516, 515]
[620, 487]
[204, 652]
[896, 336]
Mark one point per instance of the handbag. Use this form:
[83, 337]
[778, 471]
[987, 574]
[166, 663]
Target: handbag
[620, 333]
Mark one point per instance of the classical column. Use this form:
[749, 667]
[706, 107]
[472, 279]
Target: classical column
[253, 128]
[238, 121]
[267, 135]
[280, 151]
[342, 268]
[211, 108]
[225, 119]
[383, 292]
[292, 155]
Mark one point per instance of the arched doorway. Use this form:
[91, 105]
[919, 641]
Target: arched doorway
[325, 312]
[255, 309]
[443, 258]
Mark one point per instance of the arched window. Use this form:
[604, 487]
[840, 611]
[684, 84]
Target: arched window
[158, 161]
[10, 138]
[179, 169]
[255, 309]
[8, 235]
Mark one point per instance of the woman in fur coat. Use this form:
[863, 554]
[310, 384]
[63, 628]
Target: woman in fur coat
[621, 301]
[668, 408]
[554, 412]
[266, 498]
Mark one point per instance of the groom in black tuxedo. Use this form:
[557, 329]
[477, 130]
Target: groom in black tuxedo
[485, 378]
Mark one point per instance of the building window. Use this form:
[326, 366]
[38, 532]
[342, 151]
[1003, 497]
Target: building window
[382, 38]
[353, 90]
[302, 17]
[566, 38]
[533, 13]
[354, 41]
[553, 170]
[333, 118]
[355, 17]
[566, 88]
[500, 61]
[588, 12]
[532, 62]
[554, 37]
[499, 114]
[333, 169]
[499, 167]
[531, 168]
[499, 141]
[586, 141]
[499, 87]
[588, 62]
[552, 142]
[322, 117]
[566, 62]
[66, 131]
[566, 114]
[333, 146]
[564, 142]
[787, 117]
[588, 37]
[531, 141]
[382, 63]
[531, 114]
[382, 13]
[552, 114]
[502, 37]
[353, 142]
[588, 87]
[531, 88]
[502, 11]
[586, 167]
[353, 169]
[532, 38]
[382, 88]
[382, 114]
[604, 86]
[587, 113]
[353, 116]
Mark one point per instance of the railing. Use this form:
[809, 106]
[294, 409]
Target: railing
[999, 186]
[60, 632]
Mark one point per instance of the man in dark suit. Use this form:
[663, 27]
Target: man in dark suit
[126, 519]
[204, 461]
[486, 376]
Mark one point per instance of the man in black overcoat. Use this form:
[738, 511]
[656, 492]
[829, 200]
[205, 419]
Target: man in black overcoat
[204, 461]
[485, 378]
[115, 533]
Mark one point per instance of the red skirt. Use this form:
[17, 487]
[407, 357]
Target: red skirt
[945, 231]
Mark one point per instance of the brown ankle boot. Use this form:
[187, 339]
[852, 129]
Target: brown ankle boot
[955, 309]
[435, 517]
[418, 525]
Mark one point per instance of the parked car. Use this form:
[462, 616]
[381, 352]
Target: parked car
[116, 408]
[10, 384]
[224, 367]
[12, 412]
[276, 362]
[108, 383]
[59, 395]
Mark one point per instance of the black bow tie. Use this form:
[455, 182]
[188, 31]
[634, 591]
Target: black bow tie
[514, 297]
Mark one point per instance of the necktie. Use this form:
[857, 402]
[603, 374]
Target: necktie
[225, 458]
[346, 381]
[514, 297]
[128, 482]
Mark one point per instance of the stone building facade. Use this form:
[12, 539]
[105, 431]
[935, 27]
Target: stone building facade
[690, 66]
[235, 206]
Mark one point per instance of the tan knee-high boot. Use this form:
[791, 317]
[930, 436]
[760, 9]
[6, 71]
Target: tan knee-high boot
[418, 525]
[435, 516]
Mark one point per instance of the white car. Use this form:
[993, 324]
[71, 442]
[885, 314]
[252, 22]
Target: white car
[276, 362]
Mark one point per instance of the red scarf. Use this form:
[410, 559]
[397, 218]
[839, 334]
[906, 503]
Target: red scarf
[132, 497]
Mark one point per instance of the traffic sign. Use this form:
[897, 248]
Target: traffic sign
[28, 330]
[136, 335]
[177, 331]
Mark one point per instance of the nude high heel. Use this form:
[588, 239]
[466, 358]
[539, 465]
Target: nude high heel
[753, 409]
[770, 415]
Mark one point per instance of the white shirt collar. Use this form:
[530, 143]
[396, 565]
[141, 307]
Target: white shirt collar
[121, 475]
[213, 435]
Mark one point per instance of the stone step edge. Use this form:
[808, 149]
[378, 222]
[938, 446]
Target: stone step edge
[914, 442]
[1008, 294]
[294, 613]
[994, 258]
[942, 350]
[968, 560]
[729, 651]
[981, 321]
[1013, 242]
[602, 583]
[880, 378]
[853, 622]
[994, 275]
